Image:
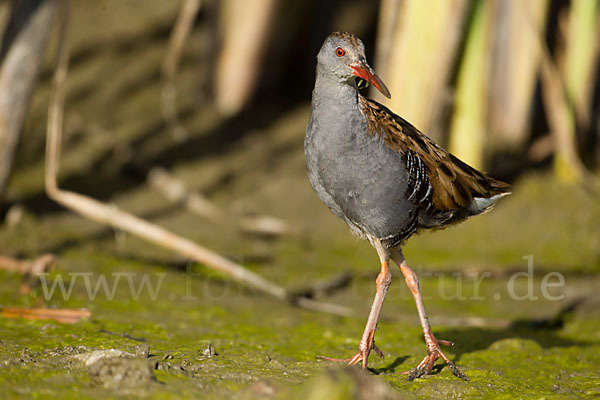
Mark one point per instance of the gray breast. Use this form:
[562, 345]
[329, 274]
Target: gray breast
[360, 179]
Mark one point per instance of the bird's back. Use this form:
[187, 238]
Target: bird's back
[445, 189]
[386, 179]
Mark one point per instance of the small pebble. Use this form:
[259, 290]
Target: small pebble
[209, 351]
[142, 350]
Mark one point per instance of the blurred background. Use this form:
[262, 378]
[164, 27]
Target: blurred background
[508, 86]
[191, 114]
[208, 100]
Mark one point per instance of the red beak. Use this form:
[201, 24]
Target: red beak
[364, 71]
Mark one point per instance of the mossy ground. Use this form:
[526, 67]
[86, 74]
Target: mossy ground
[507, 347]
[548, 347]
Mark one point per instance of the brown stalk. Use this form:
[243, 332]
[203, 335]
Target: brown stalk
[121, 220]
[64, 315]
[21, 56]
[561, 115]
[185, 20]
[29, 269]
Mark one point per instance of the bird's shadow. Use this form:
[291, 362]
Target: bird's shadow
[545, 332]
[391, 367]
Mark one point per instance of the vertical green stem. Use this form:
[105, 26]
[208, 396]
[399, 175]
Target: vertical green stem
[468, 122]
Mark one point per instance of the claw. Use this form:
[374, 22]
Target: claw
[457, 372]
[433, 354]
[378, 351]
[414, 374]
[361, 355]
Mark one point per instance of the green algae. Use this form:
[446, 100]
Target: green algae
[258, 341]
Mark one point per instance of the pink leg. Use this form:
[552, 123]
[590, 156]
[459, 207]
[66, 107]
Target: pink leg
[433, 345]
[367, 342]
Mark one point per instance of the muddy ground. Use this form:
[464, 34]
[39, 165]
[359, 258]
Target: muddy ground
[515, 289]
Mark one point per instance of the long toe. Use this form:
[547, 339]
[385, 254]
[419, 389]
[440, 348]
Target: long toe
[355, 359]
[424, 368]
[457, 372]
[420, 370]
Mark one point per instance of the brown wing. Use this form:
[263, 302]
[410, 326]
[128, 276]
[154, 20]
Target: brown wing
[453, 183]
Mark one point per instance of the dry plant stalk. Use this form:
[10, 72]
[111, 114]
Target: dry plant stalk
[175, 191]
[581, 57]
[421, 57]
[29, 270]
[185, 20]
[41, 264]
[63, 315]
[247, 28]
[560, 114]
[110, 215]
[514, 71]
[468, 125]
[21, 56]
[389, 12]
[562, 122]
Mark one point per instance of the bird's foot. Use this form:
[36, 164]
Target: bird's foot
[434, 352]
[361, 355]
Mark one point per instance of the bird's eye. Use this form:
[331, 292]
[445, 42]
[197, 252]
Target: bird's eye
[340, 52]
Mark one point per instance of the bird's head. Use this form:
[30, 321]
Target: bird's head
[343, 57]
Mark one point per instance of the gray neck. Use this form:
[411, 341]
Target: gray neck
[335, 114]
[338, 95]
